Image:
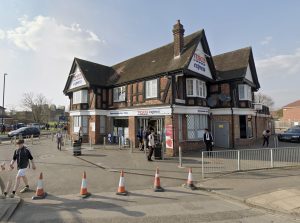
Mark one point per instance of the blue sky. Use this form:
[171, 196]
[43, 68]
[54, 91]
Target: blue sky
[40, 38]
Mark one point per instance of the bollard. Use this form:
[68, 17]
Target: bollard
[180, 157]
[202, 165]
[39, 138]
[32, 139]
[119, 142]
[20, 136]
[52, 136]
[104, 141]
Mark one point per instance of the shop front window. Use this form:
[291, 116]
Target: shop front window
[102, 124]
[80, 121]
[195, 126]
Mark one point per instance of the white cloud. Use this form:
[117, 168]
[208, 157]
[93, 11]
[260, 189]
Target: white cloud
[266, 40]
[45, 34]
[38, 54]
[2, 34]
[280, 77]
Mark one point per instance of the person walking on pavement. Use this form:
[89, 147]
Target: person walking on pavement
[146, 134]
[59, 137]
[151, 144]
[208, 140]
[140, 138]
[22, 155]
[266, 136]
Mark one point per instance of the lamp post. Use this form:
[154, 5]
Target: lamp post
[3, 97]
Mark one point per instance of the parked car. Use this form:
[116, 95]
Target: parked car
[291, 135]
[25, 131]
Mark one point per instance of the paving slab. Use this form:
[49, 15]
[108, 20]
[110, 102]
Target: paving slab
[8, 207]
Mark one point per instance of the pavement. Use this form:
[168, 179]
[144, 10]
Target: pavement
[271, 195]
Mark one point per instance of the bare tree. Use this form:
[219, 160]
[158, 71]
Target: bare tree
[38, 105]
[264, 99]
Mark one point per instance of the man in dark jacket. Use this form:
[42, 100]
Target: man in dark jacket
[208, 140]
[22, 155]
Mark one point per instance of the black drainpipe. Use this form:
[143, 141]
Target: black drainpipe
[232, 117]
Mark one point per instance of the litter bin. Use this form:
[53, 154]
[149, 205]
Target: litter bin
[157, 152]
[76, 147]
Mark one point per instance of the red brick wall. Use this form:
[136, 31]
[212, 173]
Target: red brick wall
[291, 114]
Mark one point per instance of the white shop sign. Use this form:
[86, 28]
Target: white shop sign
[141, 112]
[189, 110]
[199, 63]
[77, 80]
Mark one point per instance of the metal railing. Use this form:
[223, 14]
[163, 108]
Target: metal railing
[248, 159]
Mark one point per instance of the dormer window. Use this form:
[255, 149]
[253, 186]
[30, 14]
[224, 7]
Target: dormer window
[195, 88]
[245, 93]
[80, 97]
[119, 94]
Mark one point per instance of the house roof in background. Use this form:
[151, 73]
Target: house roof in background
[293, 104]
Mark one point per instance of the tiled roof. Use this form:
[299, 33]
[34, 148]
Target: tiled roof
[154, 62]
[157, 61]
[293, 104]
[96, 74]
[232, 64]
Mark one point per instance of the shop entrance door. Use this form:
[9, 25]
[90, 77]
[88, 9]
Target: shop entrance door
[155, 123]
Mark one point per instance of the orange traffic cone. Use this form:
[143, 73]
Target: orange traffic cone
[83, 190]
[40, 193]
[157, 187]
[189, 184]
[121, 188]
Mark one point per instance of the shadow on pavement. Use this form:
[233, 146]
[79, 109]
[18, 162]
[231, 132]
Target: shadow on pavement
[73, 207]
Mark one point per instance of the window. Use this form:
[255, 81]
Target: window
[102, 124]
[195, 126]
[119, 94]
[195, 88]
[245, 92]
[151, 89]
[80, 121]
[80, 97]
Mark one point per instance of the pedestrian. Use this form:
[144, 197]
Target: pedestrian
[146, 134]
[266, 136]
[3, 129]
[151, 144]
[208, 140]
[140, 138]
[59, 137]
[80, 134]
[22, 155]
[9, 182]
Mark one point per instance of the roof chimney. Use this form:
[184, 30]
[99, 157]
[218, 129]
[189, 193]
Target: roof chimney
[178, 33]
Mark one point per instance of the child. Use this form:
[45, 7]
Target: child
[9, 182]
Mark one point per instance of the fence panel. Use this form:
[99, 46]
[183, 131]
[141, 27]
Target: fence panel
[249, 159]
[220, 161]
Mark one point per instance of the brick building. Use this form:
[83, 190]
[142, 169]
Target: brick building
[291, 112]
[178, 89]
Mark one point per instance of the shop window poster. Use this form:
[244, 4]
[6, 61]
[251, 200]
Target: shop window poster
[169, 136]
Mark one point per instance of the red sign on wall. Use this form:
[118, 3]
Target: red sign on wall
[169, 136]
